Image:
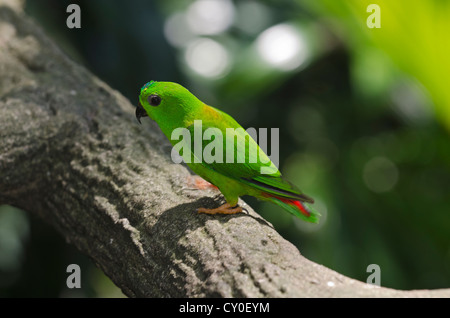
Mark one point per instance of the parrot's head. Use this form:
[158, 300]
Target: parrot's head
[167, 103]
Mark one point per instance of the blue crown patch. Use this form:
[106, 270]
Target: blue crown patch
[147, 85]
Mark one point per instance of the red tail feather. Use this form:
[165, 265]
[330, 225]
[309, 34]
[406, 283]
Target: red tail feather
[301, 207]
[297, 203]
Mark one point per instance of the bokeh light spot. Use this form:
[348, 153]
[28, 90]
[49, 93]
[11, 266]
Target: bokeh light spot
[207, 58]
[412, 102]
[176, 30]
[283, 47]
[252, 17]
[208, 17]
[380, 174]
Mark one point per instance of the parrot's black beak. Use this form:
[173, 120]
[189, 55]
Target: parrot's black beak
[140, 112]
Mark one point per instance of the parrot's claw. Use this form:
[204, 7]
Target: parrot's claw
[223, 209]
[199, 183]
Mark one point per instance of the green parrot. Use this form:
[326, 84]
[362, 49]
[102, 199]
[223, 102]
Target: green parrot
[173, 107]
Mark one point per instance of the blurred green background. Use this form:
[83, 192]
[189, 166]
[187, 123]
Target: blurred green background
[364, 118]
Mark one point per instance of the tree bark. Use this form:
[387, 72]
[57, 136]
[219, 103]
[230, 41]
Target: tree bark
[73, 153]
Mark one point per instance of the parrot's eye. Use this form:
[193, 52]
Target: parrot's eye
[154, 100]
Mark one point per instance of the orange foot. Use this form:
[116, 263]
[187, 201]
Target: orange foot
[223, 209]
[200, 183]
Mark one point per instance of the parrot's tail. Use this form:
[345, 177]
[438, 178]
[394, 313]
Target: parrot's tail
[298, 208]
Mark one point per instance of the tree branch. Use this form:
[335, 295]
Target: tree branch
[72, 152]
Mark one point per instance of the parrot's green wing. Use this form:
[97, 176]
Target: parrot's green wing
[248, 167]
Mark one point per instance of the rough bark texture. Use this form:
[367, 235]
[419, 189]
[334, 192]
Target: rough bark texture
[72, 152]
